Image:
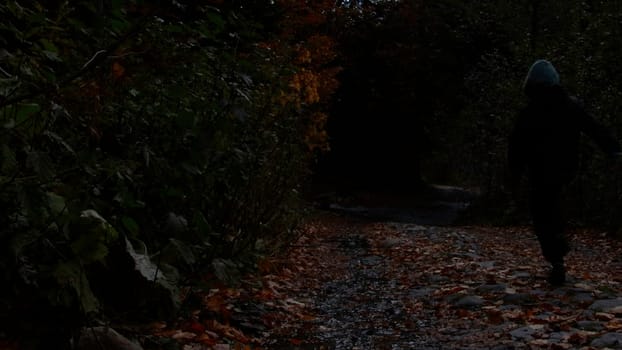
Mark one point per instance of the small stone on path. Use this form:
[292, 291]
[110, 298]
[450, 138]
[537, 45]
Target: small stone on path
[590, 326]
[518, 298]
[606, 305]
[525, 333]
[469, 302]
[491, 288]
[608, 340]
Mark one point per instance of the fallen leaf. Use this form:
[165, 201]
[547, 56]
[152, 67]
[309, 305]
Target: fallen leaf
[118, 71]
[614, 325]
[560, 346]
[580, 338]
[603, 316]
[494, 316]
[205, 339]
[196, 328]
[181, 335]
[540, 342]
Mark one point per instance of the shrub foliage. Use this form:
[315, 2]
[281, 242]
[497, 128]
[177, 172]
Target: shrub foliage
[144, 143]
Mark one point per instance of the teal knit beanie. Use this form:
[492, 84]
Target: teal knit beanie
[542, 73]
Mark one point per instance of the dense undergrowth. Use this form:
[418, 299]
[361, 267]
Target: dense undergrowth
[143, 144]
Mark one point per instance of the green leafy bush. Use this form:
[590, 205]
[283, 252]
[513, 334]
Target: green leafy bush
[141, 144]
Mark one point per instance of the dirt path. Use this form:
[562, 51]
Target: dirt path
[377, 285]
[366, 282]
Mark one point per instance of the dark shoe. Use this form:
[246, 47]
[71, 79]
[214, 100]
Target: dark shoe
[557, 276]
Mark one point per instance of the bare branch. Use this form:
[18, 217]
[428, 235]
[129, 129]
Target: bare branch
[89, 62]
[7, 74]
[97, 57]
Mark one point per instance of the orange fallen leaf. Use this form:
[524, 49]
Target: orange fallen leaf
[614, 325]
[295, 341]
[118, 71]
[196, 328]
[307, 317]
[579, 338]
[603, 316]
[215, 302]
[495, 316]
[205, 339]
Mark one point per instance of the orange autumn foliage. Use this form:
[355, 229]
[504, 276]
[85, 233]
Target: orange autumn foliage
[311, 86]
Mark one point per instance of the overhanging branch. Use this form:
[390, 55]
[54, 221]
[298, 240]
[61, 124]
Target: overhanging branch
[97, 58]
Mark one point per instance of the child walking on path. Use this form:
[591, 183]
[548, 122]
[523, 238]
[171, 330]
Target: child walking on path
[545, 145]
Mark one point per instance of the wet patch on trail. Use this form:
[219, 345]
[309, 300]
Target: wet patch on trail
[437, 205]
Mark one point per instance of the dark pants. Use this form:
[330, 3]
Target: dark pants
[549, 224]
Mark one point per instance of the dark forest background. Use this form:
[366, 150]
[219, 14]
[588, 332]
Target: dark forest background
[146, 143]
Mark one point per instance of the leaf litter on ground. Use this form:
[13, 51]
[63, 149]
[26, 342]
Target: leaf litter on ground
[349, 283]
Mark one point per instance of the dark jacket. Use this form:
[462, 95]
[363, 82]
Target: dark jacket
[545, 139]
